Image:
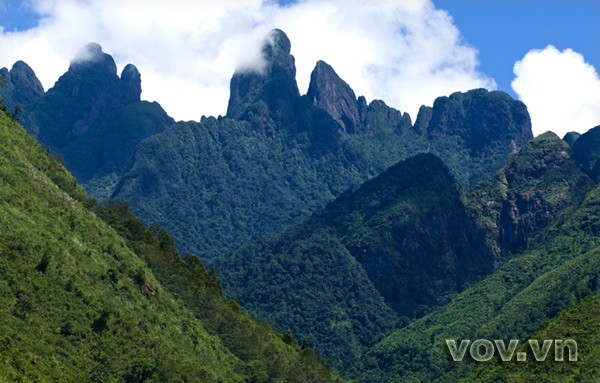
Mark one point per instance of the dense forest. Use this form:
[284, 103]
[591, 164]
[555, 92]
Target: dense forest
[90, 294]
[293, 223]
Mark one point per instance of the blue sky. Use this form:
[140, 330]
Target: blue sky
[406, 52]
[503, 31]
[17, 15]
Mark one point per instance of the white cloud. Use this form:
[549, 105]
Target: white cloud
[406, 53]
[561, 90]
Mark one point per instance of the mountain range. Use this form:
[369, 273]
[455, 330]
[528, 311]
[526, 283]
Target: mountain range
[355, 231]
[273, 159]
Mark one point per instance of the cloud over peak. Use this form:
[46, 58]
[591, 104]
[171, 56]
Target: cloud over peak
[406, 53]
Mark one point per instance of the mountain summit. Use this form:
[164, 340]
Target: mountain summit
[329, 92]
[275, 85]
[92, 117]
[19, 86]
[89, 89]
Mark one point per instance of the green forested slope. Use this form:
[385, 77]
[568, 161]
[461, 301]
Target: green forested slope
[527, 194]
[78, 303]
[580, 323]
[393, 248]
[562, 267]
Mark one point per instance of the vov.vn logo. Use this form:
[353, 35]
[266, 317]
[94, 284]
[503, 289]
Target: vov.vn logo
[483, 350]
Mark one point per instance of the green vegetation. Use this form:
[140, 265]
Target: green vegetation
[268, 355]
[401, 242]
[92, 118]
[79, 302]
[275, 158]
[527, 194]
[561, 268]
[579, 322]
[223, 183]
[475, 132]
[375, 280]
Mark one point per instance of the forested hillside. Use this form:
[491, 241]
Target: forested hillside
[561, 267]
[388, 251]
[89, 294]
[413, 242]
[344, 225]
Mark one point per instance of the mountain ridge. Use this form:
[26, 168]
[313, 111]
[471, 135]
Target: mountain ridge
[90, 294]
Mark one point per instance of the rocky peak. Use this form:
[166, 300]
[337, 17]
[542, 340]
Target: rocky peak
[28, 87]
[329, 92]
[89, 90]
[423, 119]
[92, 58]
[277, 52]
[332, 94]
[571, 137]
[274, 86]
[132, 83]
[19, 86]
[587, 152]
[93, 84]
[481, 119]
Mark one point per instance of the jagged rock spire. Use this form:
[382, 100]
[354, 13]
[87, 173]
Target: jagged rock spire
[329, 92]
[275, 85]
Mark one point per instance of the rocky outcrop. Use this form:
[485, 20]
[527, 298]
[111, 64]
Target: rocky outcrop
[332, 94]
[481, 119]
[528, 193]
[274, 85]
[91, 117]
[19, 86]
[329, 92]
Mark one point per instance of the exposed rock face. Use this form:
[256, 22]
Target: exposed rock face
[91, 117]
[329, 92]
[423, 119]
[477, 126]
[27, 86]
[132, 83]
[528, 193]
[481, 119]
[89, 89]
[275, 85]
[332, 94]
